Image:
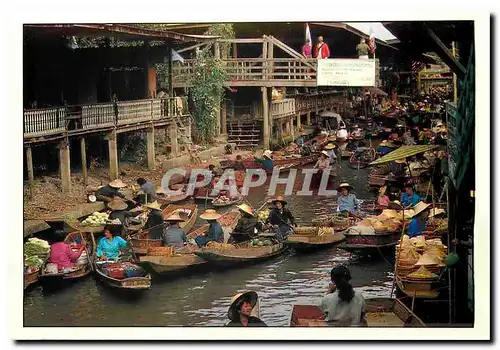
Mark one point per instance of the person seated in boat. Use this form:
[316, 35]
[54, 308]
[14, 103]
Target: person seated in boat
[342, 133]
[384, 148]
[215, 232]
[419, 219]
[323, 161]
[174, 235]
[155, 223]
[281, 217]
[111, 245]
[383, 199]
[110, 191]
[238, 165]
[356, 131]
[343, 306]
[240, 311]
[147, 191]
[266, 160]
[118, 207]
[347, 201]
[61, 252]
[247, 226]
[398, 168]
[351, 145]
[301, 139]
[330, 149]
[409, 198]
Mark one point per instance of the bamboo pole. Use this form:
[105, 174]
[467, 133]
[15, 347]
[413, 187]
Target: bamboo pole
[455, 93]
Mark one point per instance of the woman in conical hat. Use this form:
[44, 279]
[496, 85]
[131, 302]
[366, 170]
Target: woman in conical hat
[155, 222]
[419, 220]
[347, 202]
[281, 217]
[330, 148]
[215, 232]
[266, 160]
[174, 235]
[110, 191]
[240, 311]
[247, 226]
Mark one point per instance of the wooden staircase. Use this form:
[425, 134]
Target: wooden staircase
[245, 134]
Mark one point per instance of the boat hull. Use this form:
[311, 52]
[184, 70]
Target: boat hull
[169, 265]
[238, 256]
[306, 243]
[379, 243]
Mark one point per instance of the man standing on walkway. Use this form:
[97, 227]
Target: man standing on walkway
[362, 49]
[321, 51]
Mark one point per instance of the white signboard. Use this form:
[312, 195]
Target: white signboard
[346, 72]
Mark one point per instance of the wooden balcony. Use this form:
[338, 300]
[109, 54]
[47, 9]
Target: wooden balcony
[276, 72]
[82, 119]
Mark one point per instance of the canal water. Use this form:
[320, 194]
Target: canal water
[203, 299]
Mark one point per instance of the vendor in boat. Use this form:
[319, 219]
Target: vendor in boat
[247, 226]
[330, 149]
[215, 232]
[110, 191]
[383, 199]
[118, 207]
[174, 235]
[398, 168]
[147, 191]
[266, 160]
[419, 219]
[240, 311]
[61, 252]
[356, 131]
[323, 161]
[281, 217]
[238, 165]
[384, 148]
[351, 144]
[155, 223]
[110, 246]
[409, 198]
[347, 201]
[343, 306]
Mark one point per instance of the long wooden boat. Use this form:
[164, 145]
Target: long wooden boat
[370, 244]
[31, 278]
[80, 271]
[135, 284]
[308, 241]
[241, 253]
[185, 260]
[380, 312]
[418, 289]
[140, 241]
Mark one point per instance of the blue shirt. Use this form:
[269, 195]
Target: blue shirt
[215, 231]
[349, 202]
[111, 249]
[383, 150]
[409, 201]
[149, 189]
[417, 226]
[267, 163]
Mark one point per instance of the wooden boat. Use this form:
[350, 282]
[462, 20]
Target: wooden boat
[184, 259]
[140, 241]
[360, 160]
[31, 278]
[345, 154]
[370, 244]
[417, 289]
[241, 253]
[80, 271]
[126, 284]
[380, 312]
[227, 204]
[308, 242]
[165, 200]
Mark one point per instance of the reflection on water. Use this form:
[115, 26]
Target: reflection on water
[203, 299]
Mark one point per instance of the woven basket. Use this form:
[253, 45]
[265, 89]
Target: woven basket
[161, 251]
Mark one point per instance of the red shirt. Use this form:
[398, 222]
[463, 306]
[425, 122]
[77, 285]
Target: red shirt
[321, 50]
[62, 255]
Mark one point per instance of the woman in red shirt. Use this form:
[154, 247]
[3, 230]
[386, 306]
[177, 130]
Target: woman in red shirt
[321, 50]
[62, 254]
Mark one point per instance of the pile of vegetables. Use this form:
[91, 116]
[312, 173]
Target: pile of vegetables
[259, 242]
[96, 219]
[263, 215]
[34, 261]
[222, 199]
[36, 247]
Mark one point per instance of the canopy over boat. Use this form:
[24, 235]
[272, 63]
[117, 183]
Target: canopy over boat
[403, 152]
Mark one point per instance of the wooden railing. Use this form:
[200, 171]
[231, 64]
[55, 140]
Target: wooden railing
[254, 69]
[86, 118]
[283, 108]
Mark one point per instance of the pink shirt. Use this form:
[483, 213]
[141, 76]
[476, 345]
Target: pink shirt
[62, 255]
[383, 201]
[307, 50]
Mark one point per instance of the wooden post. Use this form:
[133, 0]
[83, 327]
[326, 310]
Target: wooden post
[83, 152]
[299, 122]
[292, 131]
[265, 115]
[170, 73]
[308, 120]
[174, 145]
[264, 56]
[29, 163]
[235, 50]
[151, 148]
[113, 155]
[65, 166]
[270, 65]
[224, 117]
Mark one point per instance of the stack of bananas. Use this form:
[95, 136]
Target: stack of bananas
[263, 215]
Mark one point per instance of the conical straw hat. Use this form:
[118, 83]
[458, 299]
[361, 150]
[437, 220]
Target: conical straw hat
[154, 205]
[420, 207]
[117, 204]
[233, 313]
[325, 153]
[436, 211]
[427, 259]
[174, 217]
[210, 214]
[117, 183]
[422, 273]
[245, 208]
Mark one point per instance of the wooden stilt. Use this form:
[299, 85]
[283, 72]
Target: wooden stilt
[83, 152]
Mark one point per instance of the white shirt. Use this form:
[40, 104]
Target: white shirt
[342, 312]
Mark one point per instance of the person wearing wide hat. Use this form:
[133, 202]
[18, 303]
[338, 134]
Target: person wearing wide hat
[323, 163]
[418, 222]
[215, 232]
[266, 160]
[247, 226]
[174, 235]
[383, 198]
[281, 217]
[110, 191]
[330, 148]
[384, 148]
[240, 311]
[347, 201]
[398, 168]
[155, 223]
[409, 198]
[119, 212]
[147, 193]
